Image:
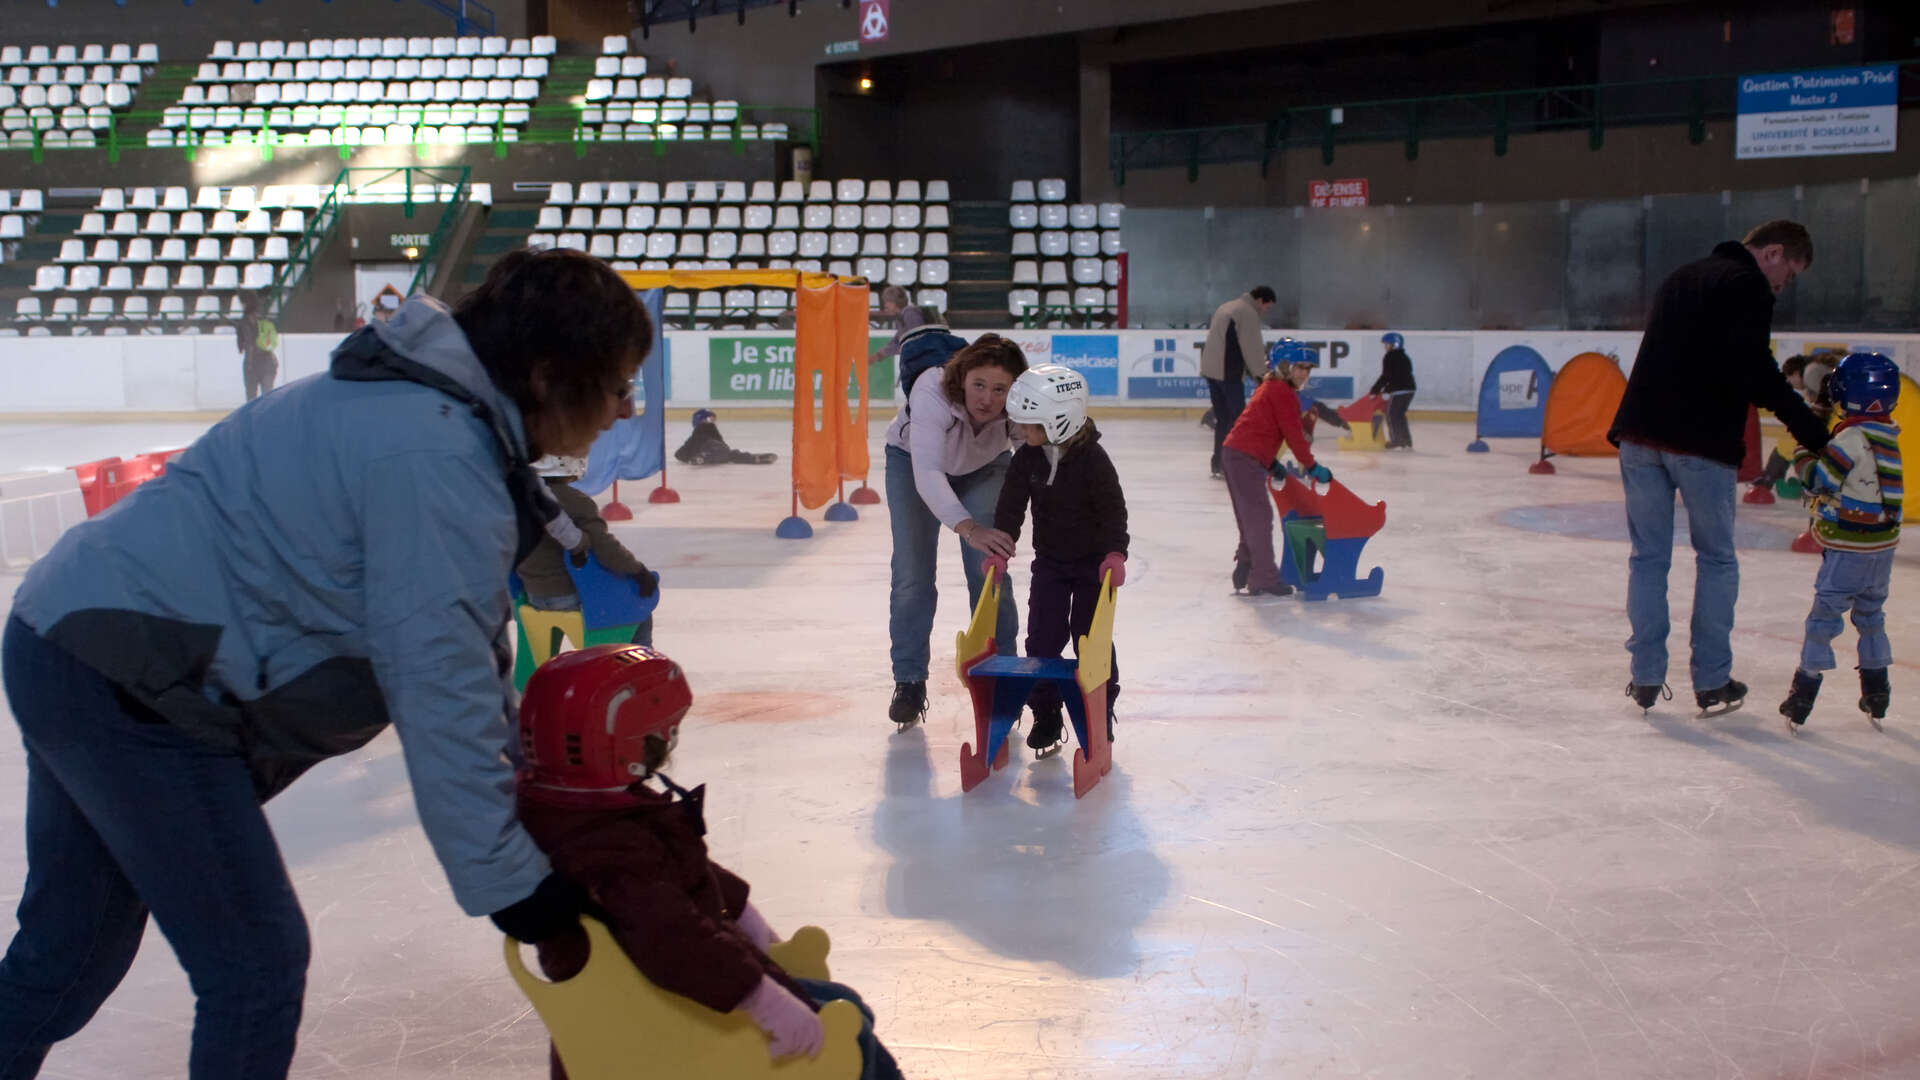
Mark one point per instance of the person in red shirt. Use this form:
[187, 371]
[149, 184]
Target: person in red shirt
[1249, 453]
[596, 726]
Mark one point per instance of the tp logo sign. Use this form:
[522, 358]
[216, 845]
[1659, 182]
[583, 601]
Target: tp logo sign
[874, 21]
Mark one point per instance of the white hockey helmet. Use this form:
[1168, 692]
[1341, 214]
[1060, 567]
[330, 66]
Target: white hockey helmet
[1052, 396]
[560, 465]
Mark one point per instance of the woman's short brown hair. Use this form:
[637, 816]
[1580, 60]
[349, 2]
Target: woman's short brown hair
[564, 312]
[987, 350]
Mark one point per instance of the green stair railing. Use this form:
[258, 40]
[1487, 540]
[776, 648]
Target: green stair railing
[413, 186]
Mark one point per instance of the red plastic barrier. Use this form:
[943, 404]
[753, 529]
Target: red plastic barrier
[92, 484]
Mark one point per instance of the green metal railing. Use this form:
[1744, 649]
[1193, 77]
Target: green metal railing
[1499, 115]
[546, 125]
[415, 186]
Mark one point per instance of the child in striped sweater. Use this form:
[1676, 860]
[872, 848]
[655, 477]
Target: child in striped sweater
[1854, 486]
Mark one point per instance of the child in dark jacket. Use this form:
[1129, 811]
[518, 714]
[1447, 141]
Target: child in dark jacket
[1079, 526]
[543, 573]
[595, 726]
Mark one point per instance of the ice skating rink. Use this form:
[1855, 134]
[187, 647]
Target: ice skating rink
[1422, 835]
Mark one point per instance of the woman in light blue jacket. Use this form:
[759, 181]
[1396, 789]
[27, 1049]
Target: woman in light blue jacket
[329, 558]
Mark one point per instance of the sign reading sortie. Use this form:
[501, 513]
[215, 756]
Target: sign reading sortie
[1325, 193]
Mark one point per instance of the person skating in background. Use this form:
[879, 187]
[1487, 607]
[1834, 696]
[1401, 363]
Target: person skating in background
[1856, 491]
[706, 447]
[1252, 449]
[1808, 375]
[543, 572]
[897, 304]
[1079, 527]
[1227, 358]
[596, 726]
[1396, 385]
[1682, 427]
[258, 341]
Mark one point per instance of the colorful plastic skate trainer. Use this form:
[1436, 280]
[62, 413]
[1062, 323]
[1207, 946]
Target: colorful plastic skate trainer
[1368, 417]
[1000, 685]
[611, 609]
[1329, 527]
[610, 1023]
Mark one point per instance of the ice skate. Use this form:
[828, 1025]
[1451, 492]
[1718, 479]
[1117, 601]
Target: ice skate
[909, 704]
[1269, 594]
[1875, 695]
[1721, 701]
[1240, 572]
[1046, 737]
[1799, 701]
[1645, 694]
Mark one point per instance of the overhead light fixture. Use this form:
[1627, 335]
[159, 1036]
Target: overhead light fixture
[866, 83]
[411, 253]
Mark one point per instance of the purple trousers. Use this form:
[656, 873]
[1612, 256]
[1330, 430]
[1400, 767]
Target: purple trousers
[1253, 513]
[1060, 602]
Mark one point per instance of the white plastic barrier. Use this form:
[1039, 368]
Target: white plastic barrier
[754, 369]
[35, 509]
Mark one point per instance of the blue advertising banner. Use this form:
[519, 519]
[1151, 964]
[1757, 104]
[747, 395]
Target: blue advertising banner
[637, 446]
[1095, 356]
[1850, 110]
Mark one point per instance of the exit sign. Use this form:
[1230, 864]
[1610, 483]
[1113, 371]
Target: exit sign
[1325, 193]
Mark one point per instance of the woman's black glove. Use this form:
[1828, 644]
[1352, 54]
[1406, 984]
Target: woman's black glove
[554, 908]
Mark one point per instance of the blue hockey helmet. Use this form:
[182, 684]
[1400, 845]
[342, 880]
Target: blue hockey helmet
[702, 416]
[1865, 383]
[1393, 340]
[1287, 352]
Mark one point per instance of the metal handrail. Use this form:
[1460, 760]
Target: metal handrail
[1694, 99]
[305, 251]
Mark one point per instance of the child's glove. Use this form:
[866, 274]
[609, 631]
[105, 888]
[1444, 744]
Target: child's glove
[578, 556]
[790, 1026]
[755, 927]
[648, 581]
[1321, 474]
[554, 908]
[1115, 564]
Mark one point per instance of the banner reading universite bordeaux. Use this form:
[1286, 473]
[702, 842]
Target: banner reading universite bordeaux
[1851, 110]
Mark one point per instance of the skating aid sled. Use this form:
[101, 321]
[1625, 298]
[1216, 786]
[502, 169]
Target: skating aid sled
[609, 1023]
[1333, 525]
[999, 686]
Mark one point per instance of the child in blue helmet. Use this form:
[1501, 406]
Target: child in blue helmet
[1396, 385]
[1855, 489]
[706, 447]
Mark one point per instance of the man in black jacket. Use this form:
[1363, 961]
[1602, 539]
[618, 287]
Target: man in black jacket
[1682, 427]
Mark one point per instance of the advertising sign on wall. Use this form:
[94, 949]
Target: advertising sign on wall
[760, 368]
[1165, 365]
[1095, 356]
[1851, 110]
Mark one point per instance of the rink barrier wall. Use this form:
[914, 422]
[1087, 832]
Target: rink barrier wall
[35, 509]
[146, 377]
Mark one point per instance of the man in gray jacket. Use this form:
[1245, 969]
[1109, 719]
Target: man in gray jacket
[1233, 345]
[330, 557]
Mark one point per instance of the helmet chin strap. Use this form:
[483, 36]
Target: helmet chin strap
[692, 803]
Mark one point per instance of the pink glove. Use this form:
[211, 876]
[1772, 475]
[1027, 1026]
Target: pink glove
[756, 928]
[1117, 563]
[997, 563]
[791, 1027]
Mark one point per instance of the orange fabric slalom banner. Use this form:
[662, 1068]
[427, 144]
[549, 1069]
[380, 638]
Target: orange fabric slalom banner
[851, 379]
[1580, 407]
[815, 416]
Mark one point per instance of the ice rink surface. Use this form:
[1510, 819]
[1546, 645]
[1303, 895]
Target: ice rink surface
[1421, 835]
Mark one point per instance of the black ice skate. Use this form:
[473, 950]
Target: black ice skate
[1799, 701]
[1875, 694]
[1271, 592]
[1113, 695]
[1046, 736]
[909, 704]
[1722, 701]
[1240, 572]
[1645, 694]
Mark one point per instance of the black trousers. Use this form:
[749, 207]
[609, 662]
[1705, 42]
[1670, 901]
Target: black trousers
[1397, 433]
[1060, 602]
[1229, 401]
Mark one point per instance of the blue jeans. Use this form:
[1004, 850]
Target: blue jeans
[125, 815]
[875, 1062]
[1849, 579]
[916, 540]
[1651, 477]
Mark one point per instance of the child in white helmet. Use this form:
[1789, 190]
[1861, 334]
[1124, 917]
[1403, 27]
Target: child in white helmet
[1079, 526]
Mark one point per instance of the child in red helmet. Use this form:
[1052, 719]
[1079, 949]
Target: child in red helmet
[595, 726]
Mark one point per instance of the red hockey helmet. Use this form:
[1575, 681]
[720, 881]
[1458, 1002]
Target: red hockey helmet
[585, 718]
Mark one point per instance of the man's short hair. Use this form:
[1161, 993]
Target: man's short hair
[1790, 235]
[1263, 294]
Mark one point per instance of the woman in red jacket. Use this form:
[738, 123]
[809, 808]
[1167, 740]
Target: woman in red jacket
[595, 726]
[1271, 420]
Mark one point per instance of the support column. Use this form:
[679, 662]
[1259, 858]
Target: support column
[1096, 126]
